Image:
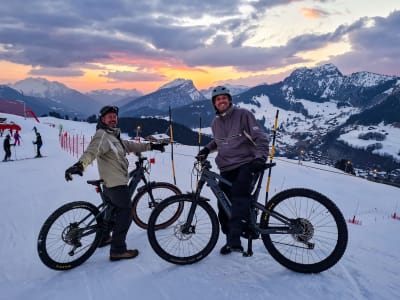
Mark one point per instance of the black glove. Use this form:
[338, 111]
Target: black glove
[158, 147]
[75, 169]
[203, 153]
[257, 165]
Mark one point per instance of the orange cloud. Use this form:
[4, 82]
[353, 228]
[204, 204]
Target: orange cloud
[311, 12]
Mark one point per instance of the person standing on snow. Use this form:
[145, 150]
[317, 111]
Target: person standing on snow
[110, 151]
[242, 147]
[17, 138]
[38, 144]
[7, 147]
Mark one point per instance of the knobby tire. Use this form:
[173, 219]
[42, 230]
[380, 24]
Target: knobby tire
[175, 246]
[324, 226]
[142, 206]
[53, 246]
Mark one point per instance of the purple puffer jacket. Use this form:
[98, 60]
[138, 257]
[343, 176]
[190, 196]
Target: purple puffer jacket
[238, 138]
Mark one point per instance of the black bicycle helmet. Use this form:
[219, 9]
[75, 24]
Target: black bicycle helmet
[107, 109]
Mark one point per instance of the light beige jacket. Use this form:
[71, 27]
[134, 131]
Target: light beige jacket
[110, 152]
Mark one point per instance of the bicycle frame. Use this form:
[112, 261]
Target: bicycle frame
[212, 179]
[103, 207]
[135, 176]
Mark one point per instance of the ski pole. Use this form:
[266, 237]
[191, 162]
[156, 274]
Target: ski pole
[271, 156]
[171, 139]
[15, 152]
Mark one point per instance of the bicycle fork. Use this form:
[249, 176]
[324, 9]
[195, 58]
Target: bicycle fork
[187, 227]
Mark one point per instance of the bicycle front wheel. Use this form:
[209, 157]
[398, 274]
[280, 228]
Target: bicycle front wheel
[148, 198]
[182, 243]
[324, 235]
[69, 236]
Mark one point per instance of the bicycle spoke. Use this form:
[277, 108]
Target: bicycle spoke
[65, 241]
[180, 242]
[317, 243]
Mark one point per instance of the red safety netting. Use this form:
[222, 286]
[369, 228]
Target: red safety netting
[16, 108]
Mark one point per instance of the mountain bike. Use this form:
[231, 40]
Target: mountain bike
[71, 234]
[301, 229]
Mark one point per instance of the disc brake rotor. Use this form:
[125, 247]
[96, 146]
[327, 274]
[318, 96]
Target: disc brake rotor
[307, 232]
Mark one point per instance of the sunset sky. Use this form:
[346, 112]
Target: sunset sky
[95, 44]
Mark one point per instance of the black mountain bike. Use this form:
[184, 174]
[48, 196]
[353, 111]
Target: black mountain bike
[302, 229]
[72, 233]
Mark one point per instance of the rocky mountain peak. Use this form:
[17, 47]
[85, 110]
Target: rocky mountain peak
[323, 71]
[177, 82]
[40, 87]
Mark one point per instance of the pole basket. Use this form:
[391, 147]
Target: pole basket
[354, 221]
[395, 216]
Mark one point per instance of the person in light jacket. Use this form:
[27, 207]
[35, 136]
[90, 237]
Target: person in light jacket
[110, 151]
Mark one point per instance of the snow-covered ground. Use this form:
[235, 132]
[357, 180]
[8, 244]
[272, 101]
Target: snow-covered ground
[390, 145]
[322, 118]
[31, 189]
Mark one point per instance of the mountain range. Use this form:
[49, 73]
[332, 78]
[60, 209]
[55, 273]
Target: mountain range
[322, 113]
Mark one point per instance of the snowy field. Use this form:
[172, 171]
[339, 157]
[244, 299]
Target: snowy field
[31, 189]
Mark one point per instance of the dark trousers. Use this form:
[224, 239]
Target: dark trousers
[240, 196]
[7, 156]
[119, 197]
[38, 150]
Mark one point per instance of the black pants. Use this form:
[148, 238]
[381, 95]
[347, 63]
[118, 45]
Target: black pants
[7, 156]
[119, 197]
[38, 150]
[239, 194]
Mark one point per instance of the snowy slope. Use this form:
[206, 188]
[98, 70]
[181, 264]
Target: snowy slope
[33, 188]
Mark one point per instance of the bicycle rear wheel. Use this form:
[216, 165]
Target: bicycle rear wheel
[144, 203]
[323, 240]
[177, 245]
[69, 236]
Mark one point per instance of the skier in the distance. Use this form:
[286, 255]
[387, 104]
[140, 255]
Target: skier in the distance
[38, 144]
[7, 147]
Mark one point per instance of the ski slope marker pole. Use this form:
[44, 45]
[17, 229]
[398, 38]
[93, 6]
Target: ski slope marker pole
[271, 155]
[197, 175]
[171, 139]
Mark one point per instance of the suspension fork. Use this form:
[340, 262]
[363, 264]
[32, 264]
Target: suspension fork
[188, 228]
[148, 189]
[135, 178]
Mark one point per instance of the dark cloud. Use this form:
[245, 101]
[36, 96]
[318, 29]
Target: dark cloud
[57, 72]
[375, 46]
[55, 34]
[116, 76]
[243, 58]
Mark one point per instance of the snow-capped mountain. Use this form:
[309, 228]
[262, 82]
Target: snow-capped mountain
[183, 86]
[177, 93]
[233, 89]
[327, 83]
[328, 115]
[41, 106]
[40, 87]
[317, 106]
[59, 93]
[114, 96]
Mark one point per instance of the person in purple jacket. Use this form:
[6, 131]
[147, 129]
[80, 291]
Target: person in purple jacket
[242, 146]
